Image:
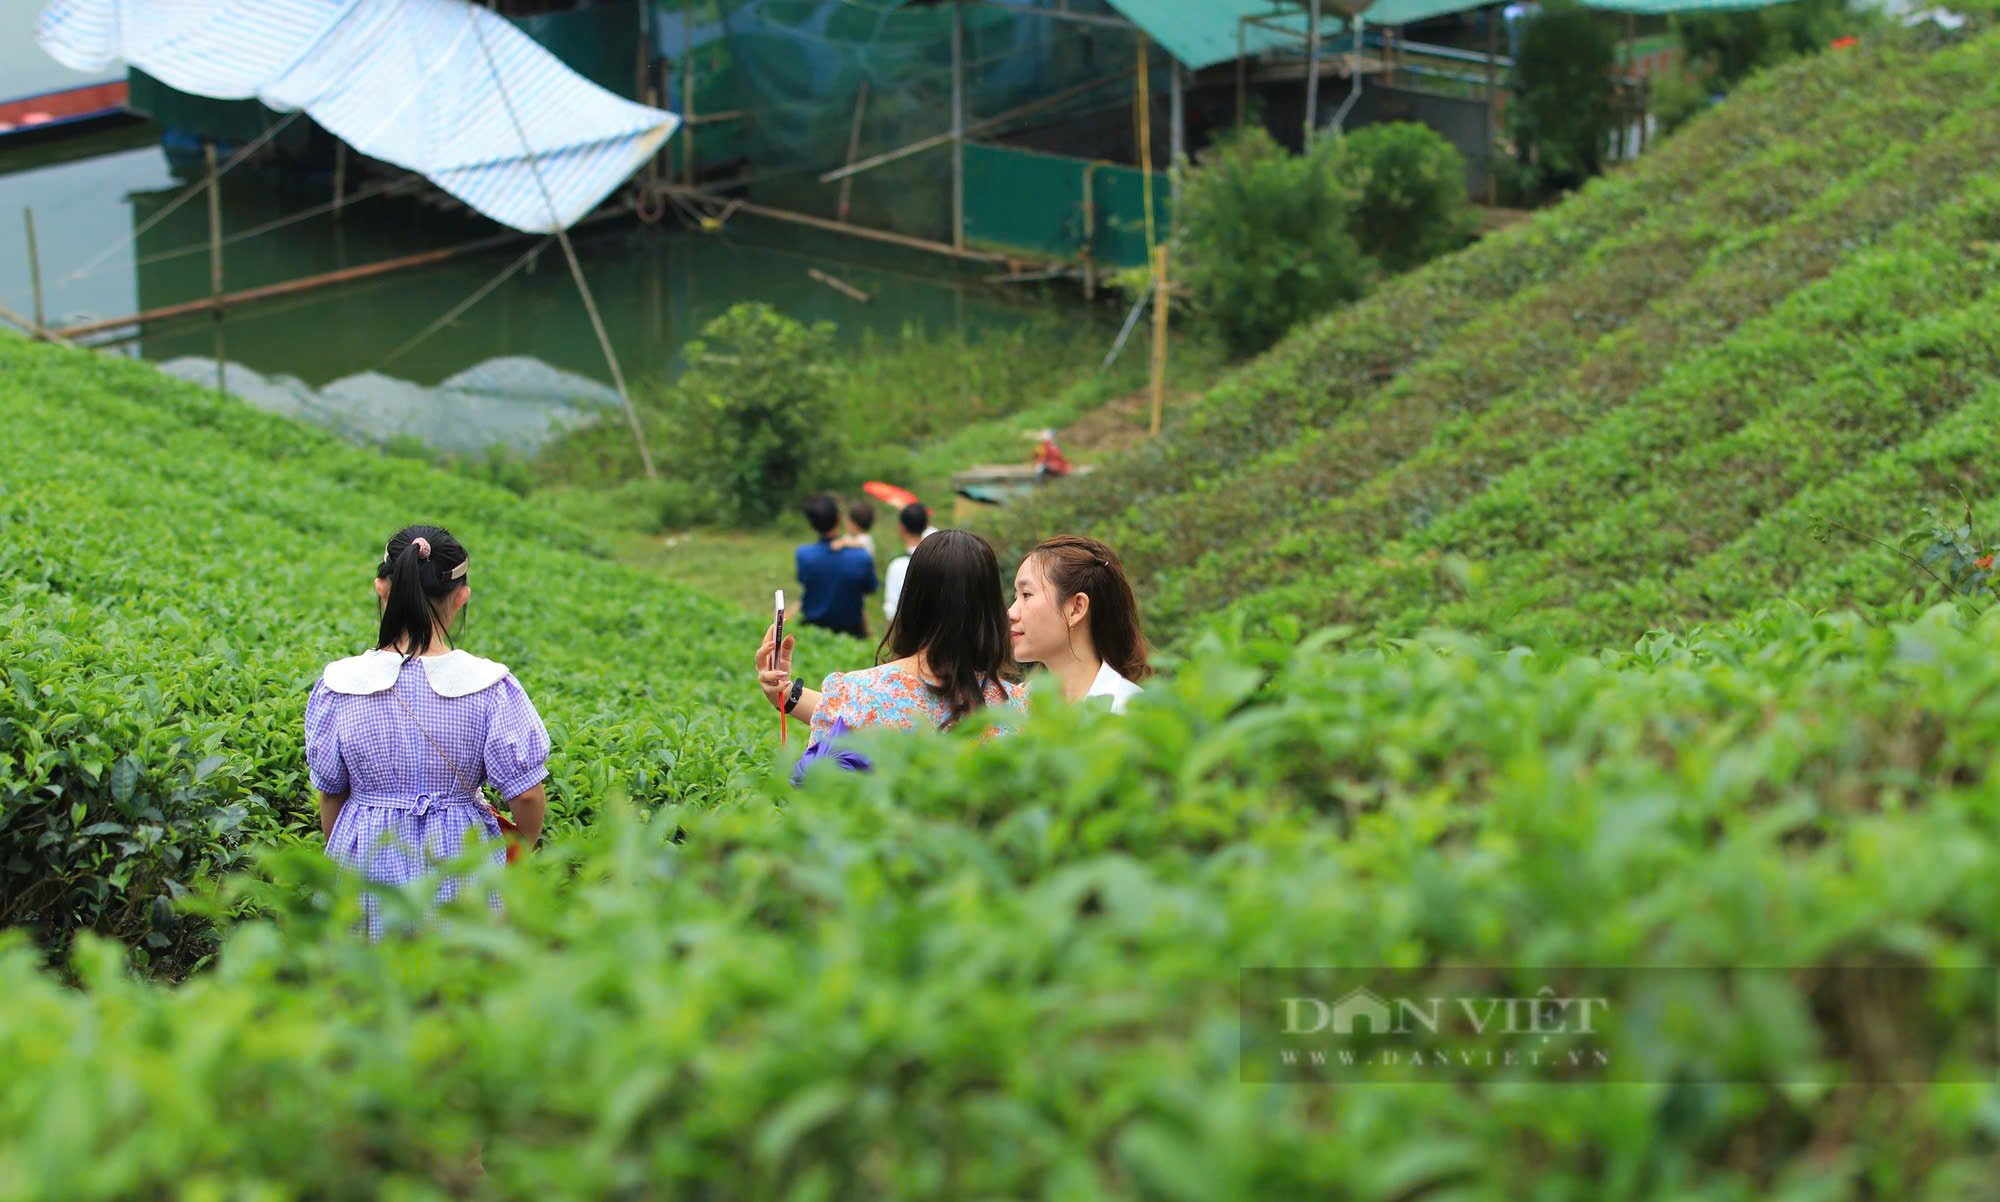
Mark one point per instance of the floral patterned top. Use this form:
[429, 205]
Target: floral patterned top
[889, 696]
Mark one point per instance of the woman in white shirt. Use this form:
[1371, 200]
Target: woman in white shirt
[1074, 613]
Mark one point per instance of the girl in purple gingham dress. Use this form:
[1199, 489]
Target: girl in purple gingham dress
[399, 739]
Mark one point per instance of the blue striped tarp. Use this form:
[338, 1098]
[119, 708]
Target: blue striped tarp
[438, 87]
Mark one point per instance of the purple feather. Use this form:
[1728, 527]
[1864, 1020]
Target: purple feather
[828, 749]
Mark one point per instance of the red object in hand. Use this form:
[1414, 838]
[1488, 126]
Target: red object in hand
[508, 831]
[889, 494]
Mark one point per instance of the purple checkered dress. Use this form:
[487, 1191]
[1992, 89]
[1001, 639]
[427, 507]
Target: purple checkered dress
[406, 809]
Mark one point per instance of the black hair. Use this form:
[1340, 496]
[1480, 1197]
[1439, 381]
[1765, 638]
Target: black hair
[915, 518]
[951, 610]
[862, 514]
[418, 585]
[822, 511]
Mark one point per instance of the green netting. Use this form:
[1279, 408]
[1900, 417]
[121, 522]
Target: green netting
[796, 68]
[1027, 201]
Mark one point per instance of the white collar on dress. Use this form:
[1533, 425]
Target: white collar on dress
[453, 674]
[1111, 683]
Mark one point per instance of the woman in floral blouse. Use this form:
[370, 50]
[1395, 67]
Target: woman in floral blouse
[949, 642]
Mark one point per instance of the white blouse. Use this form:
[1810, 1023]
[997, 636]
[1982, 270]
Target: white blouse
[1110, 684]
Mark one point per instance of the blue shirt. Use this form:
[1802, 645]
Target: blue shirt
[835, 582]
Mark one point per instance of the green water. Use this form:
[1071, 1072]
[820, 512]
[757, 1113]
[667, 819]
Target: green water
[331, 354]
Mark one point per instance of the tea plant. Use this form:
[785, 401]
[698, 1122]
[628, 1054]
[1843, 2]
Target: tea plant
[175, 569]
[1012, 968]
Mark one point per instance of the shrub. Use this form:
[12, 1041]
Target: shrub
[754, 418]
[176, 567]
[1013, 969]
[1410, 182]
[1562, 111]
[1266, 239]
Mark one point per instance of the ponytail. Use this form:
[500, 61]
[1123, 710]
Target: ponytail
[1074, 564]
[424, 565]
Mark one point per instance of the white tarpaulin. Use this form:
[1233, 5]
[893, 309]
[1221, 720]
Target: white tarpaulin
[438, 87]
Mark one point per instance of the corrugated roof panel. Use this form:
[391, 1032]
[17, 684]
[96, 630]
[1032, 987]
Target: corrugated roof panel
[433, 86]
[1202, 33]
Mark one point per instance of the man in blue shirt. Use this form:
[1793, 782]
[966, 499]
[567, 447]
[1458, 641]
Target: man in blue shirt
[835, 579]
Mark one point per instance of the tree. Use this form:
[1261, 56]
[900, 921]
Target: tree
[1266, 239]
[1562, 111]
[753, 419]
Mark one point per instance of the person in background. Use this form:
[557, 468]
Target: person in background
[914, 523]
[1075, 614]
[399, 739]
[948, 640]
[1049, 459]
[835, 578]
[860, 521]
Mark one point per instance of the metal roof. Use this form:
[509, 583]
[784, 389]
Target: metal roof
[1408, 12]
[439, 87]
[1202, 33]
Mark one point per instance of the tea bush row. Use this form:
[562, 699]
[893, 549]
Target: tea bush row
[1850, 327]
[174, 570]
[1413, 455]
[1011, 969]
[1323, 369]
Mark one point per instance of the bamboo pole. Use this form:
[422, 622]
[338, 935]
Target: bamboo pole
[1492, 103]
[640, 48]
[1143, 98]
[1242, 70]
[687, 91]
[978, 127]
[1176, 132]
[1159, 333]
[610, 356]
[1312, 72]
[853, 147]
[287, 288]
[215, 265]
[31, 329]
[1628, 138]
[842, 227]
[838, 285]
[1089, 232]
[957, 124]
[339, 177]
[35, 269]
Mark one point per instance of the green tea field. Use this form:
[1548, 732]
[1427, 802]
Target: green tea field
[1503, 647]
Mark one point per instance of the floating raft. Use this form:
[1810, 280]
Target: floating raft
[1000, 483]
[34, 117]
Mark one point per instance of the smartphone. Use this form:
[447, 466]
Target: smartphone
[778, 635]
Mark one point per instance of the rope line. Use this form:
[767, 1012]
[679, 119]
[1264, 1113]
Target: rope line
[459, 310]
[368, 193]
[569, 253]
[249, 148]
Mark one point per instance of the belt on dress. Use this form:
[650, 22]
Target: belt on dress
[420, 804]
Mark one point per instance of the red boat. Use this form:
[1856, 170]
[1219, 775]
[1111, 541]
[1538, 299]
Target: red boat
[69, 109]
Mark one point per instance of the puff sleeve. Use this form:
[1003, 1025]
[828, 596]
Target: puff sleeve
[323, 760]
[833, 697]
[517, 744]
